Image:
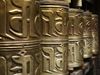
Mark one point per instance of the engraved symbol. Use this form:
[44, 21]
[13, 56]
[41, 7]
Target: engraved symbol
[75, 51]
[81, 28]
[3, 17]
[88, 24]
[76, 25]
[61, 25]
[54, 61]
[24, 21]
[26, 61]
[81, 48]
[53, 26]
[50, 51]
[71, 52]
[89, 45]
[60, 58]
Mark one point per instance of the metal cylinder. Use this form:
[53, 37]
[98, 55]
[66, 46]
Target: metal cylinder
[54, 37]
[75, 52]
[95, 37]
[17, 28]
[87, 34]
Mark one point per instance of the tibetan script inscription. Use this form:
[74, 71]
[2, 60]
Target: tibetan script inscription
[76, 25]
[87, 24]
[54, 21]
[18, 19]
[87, 47]
[54, 59]
[51, 23]
[75, 54]
[25, 62]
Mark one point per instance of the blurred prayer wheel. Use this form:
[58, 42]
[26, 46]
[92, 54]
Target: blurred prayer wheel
[87, 34]
[54, 37]
[75, 52]
[19, 41]
[95, 37]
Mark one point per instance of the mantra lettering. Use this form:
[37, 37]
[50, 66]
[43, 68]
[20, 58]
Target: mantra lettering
[20, 21]
[76, 25]
[75, 52]
[26, 62]
[54, 59]
[54, 26]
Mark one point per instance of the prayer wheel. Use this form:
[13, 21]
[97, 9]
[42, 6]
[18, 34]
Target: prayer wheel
[54, 37]
[76, 26]
[19, 41]
[87, 34]
[95, 37]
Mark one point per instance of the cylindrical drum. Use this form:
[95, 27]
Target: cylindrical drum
[17, 28]
[75, 38]
[87, 34]
[95, 37]
[54, 37]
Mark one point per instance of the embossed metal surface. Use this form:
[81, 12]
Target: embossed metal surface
[54, 38]
[18, 20]
[75, 52]
[87, 35]
[95, 37]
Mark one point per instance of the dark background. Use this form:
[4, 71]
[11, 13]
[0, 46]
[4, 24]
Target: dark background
[94, 7]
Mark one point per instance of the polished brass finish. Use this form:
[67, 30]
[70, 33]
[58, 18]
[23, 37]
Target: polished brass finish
[87, 35]
[77, 3]
[95, 37]
[54, 38]
[75, 53]
[18, 20]
[68, 1]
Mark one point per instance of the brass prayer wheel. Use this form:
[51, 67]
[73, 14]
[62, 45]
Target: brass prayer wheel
[95, 37]
[17, 28]
[87, 34]
[75, 51]
[54, 37]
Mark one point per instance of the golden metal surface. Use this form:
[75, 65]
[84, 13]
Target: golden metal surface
[18, 20]
[68, 1]
[54, 38]
[75, 52]
[77, 3]
[95, 37]
[87, 35]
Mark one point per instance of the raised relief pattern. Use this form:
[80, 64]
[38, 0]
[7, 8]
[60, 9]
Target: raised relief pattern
[20, 22]
[54, 23]
[76, 25]
[54, 59]
[24, 64]
[75, 52]
[88, 25]
[88, 47]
